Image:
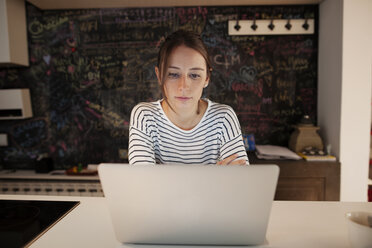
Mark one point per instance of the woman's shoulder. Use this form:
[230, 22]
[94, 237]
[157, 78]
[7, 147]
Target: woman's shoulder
[147, 107]
[145, 111]
[225, 116]
[220, 108]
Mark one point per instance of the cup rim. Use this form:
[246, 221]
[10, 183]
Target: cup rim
[349, 215]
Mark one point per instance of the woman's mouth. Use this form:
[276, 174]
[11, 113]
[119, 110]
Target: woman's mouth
[182, 98]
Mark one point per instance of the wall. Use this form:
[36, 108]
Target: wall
[329, 73]
[356, 98]
[344, 98]
[89, 67]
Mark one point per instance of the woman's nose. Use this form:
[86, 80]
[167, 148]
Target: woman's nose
[183, 84]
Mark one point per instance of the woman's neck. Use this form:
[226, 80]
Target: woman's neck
[185, 120]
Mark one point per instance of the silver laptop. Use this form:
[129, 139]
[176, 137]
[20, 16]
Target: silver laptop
[189, 204]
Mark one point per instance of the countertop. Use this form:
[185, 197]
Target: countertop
[291, 224]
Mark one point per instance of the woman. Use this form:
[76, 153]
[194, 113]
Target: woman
[182, 127]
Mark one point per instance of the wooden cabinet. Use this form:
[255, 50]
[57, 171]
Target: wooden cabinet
[13, 38]
[305, 181]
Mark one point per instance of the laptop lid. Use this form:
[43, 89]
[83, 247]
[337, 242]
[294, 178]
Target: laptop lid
[189, 204]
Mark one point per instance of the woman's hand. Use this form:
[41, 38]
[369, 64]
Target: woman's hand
[230, 161]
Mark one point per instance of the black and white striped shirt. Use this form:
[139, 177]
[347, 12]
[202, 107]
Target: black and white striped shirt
[153, 138]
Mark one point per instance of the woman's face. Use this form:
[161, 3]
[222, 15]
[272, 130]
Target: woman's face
[184, 78]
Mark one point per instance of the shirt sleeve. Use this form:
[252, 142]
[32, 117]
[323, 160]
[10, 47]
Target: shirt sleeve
[140, 148]
[232, 140]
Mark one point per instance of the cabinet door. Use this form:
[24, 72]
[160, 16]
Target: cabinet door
[301, 189]
[13, 38]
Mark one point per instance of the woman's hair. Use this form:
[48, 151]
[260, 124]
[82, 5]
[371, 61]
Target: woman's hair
[181, 37]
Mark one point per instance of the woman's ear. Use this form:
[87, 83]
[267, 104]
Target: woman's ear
[206, 83]
[157, 72]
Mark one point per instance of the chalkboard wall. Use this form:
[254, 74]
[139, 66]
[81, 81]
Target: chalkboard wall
[89, 67]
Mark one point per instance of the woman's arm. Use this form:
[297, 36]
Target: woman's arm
[140, 148]
[232, 150]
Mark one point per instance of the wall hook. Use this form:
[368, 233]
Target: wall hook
[271, 26]
[254, 25]
[237, 26]
[288, 25]
[305, 25]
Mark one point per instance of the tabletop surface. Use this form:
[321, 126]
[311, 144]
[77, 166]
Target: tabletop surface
[291, 224]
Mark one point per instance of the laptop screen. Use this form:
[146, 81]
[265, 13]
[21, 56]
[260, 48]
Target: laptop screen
[189, 204]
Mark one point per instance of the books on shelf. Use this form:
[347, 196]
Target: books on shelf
[317, 157]
[272, 152]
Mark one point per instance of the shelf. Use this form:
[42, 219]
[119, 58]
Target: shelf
[305, 181]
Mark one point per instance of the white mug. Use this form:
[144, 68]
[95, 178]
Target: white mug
[360, 229]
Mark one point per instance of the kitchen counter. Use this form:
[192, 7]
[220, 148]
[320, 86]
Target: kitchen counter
[57, 182]
[292, 224]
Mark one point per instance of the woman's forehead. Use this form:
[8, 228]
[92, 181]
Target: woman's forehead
[184, 57]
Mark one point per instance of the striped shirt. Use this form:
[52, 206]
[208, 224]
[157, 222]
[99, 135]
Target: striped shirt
[153, 138]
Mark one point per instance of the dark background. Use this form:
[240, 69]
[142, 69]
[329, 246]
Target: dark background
[89, 67]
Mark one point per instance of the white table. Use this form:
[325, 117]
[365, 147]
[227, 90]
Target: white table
[292, 224]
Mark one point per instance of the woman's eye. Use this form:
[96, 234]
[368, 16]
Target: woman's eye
[173, 75]
[194, 76]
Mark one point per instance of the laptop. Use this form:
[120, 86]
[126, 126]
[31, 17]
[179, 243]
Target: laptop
[189, 204]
